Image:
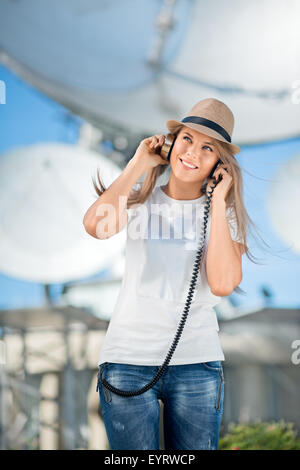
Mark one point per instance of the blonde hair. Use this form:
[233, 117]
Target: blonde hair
[234, 198]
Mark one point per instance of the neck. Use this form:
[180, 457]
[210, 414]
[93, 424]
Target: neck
[183, 191]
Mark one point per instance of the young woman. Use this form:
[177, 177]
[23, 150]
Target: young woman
[157, 277]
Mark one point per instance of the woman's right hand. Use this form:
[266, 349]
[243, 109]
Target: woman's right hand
[147, 154]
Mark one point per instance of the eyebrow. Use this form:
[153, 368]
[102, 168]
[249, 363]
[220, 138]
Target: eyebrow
[185, 132]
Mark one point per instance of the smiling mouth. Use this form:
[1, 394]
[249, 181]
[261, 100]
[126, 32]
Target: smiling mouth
[187, 166]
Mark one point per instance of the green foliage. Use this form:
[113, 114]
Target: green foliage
[260, 436]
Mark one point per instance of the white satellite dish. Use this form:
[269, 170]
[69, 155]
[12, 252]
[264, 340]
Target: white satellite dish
[282, 202]
[164, 57]
[45, 191]
[99, 298]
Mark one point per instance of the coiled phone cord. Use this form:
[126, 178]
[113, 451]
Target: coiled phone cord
[131, 393]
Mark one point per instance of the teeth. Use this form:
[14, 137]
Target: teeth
[187, 164]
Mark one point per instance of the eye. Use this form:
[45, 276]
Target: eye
[187, 137]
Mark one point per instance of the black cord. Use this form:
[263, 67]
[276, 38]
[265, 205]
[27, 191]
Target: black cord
[130, 393]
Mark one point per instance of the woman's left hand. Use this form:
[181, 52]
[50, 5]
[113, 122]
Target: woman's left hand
[224, 185]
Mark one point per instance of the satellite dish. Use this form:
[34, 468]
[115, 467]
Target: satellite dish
[282, 202]
[99, 298]
[162, 60]
[45, 191]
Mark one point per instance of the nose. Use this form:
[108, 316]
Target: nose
[192, 156]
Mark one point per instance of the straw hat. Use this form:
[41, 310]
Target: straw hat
[211, 117]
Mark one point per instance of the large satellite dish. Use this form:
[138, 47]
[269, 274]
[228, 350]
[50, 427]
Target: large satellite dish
[137, 63]
[282, 202]
[45, 191]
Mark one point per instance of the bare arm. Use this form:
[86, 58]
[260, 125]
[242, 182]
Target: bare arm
[112, 204]
[223, 264]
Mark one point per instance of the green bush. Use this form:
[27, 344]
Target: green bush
[260, 436]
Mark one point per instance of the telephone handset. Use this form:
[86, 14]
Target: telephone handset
[165, 152]
[214, 168]
[167, 146]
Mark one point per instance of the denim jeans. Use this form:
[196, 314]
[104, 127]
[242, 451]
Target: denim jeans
[192, 395]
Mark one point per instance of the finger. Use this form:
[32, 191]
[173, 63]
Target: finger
[223, 167]
[154, 140]
[221, 171]
[158, 137]
[148, 142]
[160, 142]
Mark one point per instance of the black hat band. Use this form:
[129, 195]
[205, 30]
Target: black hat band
[211, 124]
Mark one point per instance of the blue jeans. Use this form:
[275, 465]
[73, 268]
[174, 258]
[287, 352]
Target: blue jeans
[192, 395]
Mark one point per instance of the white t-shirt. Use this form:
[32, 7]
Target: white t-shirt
[163, 236]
